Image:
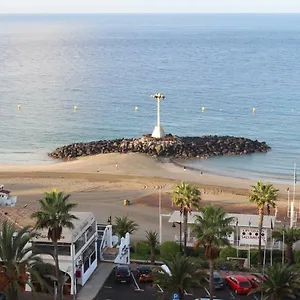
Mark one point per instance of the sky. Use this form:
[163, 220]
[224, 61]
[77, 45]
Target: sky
[149, 6]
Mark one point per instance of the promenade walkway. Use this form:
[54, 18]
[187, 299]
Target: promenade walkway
[95, 282]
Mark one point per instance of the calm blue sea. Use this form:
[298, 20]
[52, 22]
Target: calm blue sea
[107, 65]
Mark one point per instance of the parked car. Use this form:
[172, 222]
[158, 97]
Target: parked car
[239, 283]
[144, 273]
[260, 276]
[255, 281]
[122, 274]
[218, 281]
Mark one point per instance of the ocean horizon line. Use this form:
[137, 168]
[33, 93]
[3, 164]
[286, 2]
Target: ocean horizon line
[144, 13]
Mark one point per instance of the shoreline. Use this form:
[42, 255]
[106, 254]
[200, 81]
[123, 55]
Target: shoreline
[129, 166]
[100, 183]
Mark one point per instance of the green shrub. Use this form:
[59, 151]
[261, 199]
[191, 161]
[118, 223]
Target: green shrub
[193, 252]
[228, 252]
[142, 248]
[243, 253]
[169, 250]
[204, 264]
[221, 262]
[201, 253]
[254, 256]
[297, 257]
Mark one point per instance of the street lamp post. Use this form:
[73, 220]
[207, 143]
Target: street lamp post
[158, 131]
[160, 217]
[288, 206]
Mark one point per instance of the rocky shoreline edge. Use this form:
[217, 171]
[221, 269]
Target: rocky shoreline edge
[170, 147]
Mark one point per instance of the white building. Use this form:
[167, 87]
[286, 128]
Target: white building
[5, 198]
[77, 249]
[245, 233]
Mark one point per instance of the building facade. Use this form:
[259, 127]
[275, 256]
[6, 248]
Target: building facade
[245, 225]
[77, 250]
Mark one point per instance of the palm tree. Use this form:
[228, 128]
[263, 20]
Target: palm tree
[124, 225]
[182, 274]
[17, 259]
[55, 214]
[153, 243]
[186, 197]
[263, 195]
[212, 228]
[283, 283]
[291, 236]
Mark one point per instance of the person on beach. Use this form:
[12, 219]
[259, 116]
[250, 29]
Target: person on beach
[184, 168]
[116, 165]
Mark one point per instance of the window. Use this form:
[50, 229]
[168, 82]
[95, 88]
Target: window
[90, 231]
[79, 243]
[244, 283]
[86, 265]
[40, 247]
[88, 251]
[89, 256]
[93, 257]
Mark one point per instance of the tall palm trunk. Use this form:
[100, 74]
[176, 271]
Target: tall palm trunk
[12, 292]
[152, 256]
[289, 253]
[185, 220]
[181, 294]
[12, 289]
[211, 279]
[57, 272]
[260, 225]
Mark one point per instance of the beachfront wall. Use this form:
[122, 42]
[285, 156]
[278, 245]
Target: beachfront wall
[245, 225]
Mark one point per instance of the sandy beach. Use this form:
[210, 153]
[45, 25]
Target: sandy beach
[100, 184]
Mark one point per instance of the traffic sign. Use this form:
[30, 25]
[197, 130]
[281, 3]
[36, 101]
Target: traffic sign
[175, 296]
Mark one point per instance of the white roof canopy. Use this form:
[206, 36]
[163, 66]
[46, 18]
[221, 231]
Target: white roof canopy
[242, 219]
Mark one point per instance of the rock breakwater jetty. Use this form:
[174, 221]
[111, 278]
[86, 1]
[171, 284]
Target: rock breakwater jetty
[170, 146]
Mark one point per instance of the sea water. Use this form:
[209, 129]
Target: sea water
[106, 65]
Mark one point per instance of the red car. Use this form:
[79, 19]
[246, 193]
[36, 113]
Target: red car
[260, 276]
[239, 283]
[254, 280]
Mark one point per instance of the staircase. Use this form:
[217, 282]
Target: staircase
[100, 231]
[109, 254]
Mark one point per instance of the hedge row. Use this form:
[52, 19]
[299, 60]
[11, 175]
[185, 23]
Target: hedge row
[170, 248]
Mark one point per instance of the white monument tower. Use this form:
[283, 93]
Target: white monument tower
[158, 131]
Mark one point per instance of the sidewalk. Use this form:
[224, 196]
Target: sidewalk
[90, 290]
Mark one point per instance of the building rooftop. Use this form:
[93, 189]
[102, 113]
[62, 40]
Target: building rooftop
[4, 192]
[244, 220]
[21, 217]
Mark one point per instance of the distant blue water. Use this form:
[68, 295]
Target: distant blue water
[108, 64]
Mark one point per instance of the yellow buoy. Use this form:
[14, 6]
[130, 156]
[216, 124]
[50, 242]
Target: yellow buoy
[19, 106]
[253, 109]
[203, 109]
[136, 108]
[75, 107]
